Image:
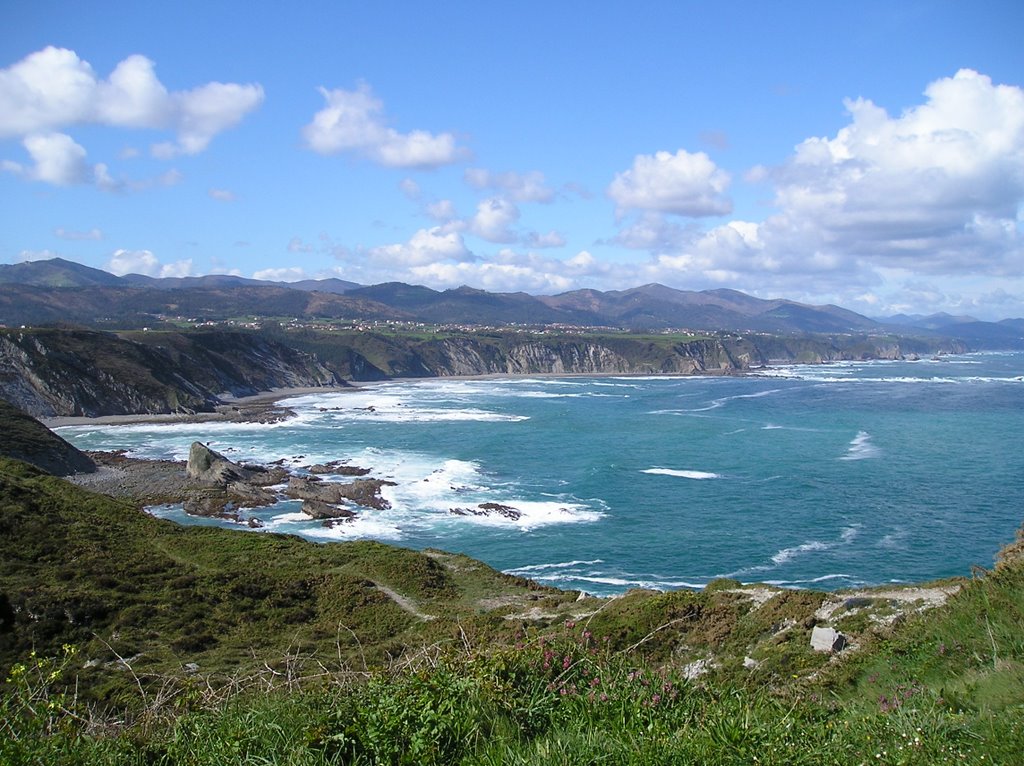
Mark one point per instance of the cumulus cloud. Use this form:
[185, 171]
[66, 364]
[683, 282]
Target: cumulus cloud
[937, 188]
[682, 183]
[145, 262]
[78, 236]
[493, 219]
[425, 246]
[354, 121]
[521, 187]
[51, 90]
[58, 159]
[935, 191]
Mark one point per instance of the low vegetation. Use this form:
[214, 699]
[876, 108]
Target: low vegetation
[126, 639]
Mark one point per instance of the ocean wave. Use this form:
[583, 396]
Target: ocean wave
[788, 554]
[683, 474]
[861, 448]
[851, 580]
[619, 581]
[520, 571]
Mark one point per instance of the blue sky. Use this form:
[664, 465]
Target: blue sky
[868, 154]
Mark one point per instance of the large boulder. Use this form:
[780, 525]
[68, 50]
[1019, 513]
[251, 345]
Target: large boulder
[210, 467]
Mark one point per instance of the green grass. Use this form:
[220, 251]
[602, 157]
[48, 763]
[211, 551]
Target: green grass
[125, 639]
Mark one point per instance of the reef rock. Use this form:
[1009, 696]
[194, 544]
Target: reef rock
[320, 510]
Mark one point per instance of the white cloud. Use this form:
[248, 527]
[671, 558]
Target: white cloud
[682, 183]
[353, 121]
[78, 236]
[53, 89]
[145, 262]
[521, 187]
[289, 274]
[222, 195]
[493, 218]
[937, 189]
[58, 159]
[424, 247]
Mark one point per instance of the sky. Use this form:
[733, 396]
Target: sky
[866, 154]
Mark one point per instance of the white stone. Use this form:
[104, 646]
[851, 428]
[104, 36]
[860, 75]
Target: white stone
[827, 640]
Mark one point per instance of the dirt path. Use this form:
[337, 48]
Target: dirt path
[404, 603]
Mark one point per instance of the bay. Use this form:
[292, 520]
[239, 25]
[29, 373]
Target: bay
[823, 476]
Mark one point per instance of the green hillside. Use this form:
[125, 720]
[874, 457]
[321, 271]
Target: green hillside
[127, 639]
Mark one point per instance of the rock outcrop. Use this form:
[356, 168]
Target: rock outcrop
[363, 492]
[226, 483]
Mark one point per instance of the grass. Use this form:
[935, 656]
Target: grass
[125, 639]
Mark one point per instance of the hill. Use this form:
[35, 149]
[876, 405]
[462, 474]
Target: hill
[25, 438]
[59, 291]
[128, 639]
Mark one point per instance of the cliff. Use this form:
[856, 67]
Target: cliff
[53, 372]
[81, 372]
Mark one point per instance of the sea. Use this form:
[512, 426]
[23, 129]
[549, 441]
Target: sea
[810, 476]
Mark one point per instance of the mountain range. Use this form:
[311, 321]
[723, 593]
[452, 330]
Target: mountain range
[57, 290]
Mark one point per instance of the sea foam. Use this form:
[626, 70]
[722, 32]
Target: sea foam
[682, 474]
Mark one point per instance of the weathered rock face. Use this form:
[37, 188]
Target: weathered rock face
[48, 372]
[211, 467]
[625, 355]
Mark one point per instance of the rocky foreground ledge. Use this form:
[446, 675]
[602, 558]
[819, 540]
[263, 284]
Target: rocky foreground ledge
[213, 486]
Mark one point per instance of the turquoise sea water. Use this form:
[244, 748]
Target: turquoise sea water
[827, 475]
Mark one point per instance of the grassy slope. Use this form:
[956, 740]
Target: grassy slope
[588, 681]
[80, 568]
[25, 438]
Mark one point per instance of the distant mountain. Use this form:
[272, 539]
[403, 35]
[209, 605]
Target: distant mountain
[56, 272]
[930, 322]
[29, 295]
[336, 286]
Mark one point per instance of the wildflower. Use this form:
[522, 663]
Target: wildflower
[566, 662]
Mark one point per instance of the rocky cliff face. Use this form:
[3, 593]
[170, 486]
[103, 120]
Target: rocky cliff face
[506, 355]
[70, 372]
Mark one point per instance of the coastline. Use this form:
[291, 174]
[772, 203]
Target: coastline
[261, 407]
